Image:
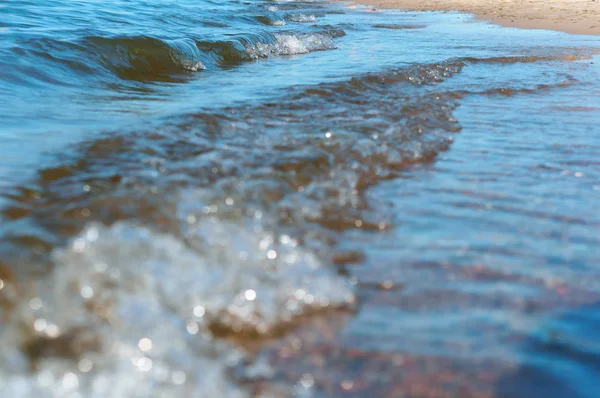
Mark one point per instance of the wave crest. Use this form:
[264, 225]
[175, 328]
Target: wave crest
[143, 57]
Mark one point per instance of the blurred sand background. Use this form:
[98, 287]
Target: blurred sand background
[571, 16]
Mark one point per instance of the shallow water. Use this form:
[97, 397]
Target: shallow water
[295, 199]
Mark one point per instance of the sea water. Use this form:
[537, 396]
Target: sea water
[223, 199]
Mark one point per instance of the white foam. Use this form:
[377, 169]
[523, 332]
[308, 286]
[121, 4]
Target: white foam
[145, 303]
[302, 18]
[290, 44]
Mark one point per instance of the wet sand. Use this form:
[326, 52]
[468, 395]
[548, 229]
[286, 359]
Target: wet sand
[572, 16]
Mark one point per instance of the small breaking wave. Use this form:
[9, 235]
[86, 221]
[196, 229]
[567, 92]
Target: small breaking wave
[146, 57]
[225, 53]
[271, 20]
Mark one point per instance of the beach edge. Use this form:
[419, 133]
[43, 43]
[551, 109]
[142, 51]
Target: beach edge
[580, 17]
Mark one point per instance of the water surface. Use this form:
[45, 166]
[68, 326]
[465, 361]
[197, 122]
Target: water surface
[294, 199]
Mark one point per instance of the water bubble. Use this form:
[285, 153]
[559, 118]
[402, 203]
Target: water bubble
[144, 364]
[87, 292]
[85, 365]
[387, 285]
[40, 325]
[35, 303]
[192, 328]
[291, 258]
[199, 311]
[272, 254]
[250, 295]
[70, 381]
[145, 344]
[52, 331]
[347, 384]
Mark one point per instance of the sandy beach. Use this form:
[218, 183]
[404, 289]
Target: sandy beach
[571, 16]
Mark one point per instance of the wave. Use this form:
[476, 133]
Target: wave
[218, 223]
[145, 58]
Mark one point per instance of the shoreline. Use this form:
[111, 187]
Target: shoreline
[573, 16]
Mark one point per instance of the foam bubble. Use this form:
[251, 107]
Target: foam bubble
[302, 18]
[291, 44]
[129, 335]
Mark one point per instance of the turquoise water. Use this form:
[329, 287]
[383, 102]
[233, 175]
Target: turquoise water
[295, 199]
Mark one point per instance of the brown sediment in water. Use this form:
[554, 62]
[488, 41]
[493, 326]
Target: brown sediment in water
[328, 361]
[574, 16]
[6, 277]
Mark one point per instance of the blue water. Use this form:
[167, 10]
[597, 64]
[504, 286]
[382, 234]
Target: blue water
[297, 199]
